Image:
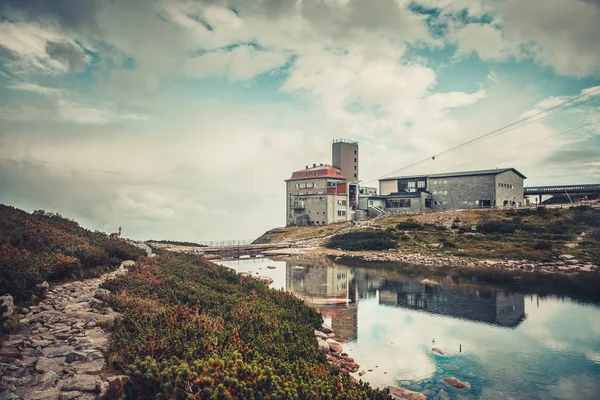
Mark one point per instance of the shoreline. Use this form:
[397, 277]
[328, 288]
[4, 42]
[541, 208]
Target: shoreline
[565, 263]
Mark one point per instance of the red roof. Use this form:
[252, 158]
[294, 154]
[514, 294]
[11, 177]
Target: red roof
[318, 172]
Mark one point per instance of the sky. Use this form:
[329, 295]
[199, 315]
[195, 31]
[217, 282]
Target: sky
[182, 119]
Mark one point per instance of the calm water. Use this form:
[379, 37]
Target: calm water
[506, 344]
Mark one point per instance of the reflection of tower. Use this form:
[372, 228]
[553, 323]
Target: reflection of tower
[331, 289]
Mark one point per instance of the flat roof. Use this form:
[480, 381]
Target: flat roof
[457, 174]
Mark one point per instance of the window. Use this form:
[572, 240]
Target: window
[355, 175]
[341, 213]
[445, 192]
[445, 181]
[421, 184]
[354, 151]
[355, 167]
[354, 159]
[341, 202]
[302, 185]
[412, 185]
[435, 182]
[397, 203]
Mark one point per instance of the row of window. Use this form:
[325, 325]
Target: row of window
[439, 192]
[316, 173]
[506, 185]
[397, 203]
[440, 182]
[304, 185]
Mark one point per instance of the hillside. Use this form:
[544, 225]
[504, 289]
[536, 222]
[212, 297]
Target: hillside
[515, 234]
[43, 246]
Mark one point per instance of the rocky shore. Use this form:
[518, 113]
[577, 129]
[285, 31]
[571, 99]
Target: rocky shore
[563, 263]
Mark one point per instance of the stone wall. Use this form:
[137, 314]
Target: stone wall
[511, 193]
[462, 191]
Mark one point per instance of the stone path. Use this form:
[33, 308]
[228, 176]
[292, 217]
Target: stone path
[59, 350]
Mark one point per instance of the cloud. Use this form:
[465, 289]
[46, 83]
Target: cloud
[29, 48]
[241, 63]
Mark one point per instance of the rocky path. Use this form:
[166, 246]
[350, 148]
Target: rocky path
[59, 350]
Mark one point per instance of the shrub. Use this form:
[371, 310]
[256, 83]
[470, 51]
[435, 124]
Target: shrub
[543, 245]
[363, 240]
[189, 326]
[502, 227]
[409, 225]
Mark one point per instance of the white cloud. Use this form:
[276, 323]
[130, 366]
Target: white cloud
[484, 39]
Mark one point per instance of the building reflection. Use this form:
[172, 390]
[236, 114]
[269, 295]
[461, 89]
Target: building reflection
[330, 288]
[476, 304]
[336, 289]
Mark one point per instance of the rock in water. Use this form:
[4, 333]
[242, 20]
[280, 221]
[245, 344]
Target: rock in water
[457, 383]
[438, 350]
[326, 328]
[404, 394]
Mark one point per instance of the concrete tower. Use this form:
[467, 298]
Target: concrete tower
[344, 154]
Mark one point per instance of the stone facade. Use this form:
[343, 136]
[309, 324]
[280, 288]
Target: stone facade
[471, 189]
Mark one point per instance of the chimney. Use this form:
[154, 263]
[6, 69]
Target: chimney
[314, 165]
[307, 167]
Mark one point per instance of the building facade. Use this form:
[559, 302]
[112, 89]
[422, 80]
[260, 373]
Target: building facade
[317, 196]
[325, 194]
[469, 189]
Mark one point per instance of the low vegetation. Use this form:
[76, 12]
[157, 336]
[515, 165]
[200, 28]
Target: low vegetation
[363, 240]
[177, 243]
[45, 246]
[192, 329]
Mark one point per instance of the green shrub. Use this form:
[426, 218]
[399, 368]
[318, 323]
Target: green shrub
[409, 225]
[363, 240]
[189, 326]
[501, 227]
[543, 245]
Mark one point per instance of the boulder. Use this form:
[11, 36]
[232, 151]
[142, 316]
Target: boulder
[361, 373]
[457, 383]
[572, 262]
[322, 344]
[320, 334]
[399, 393]
[7, 301]
[566, 257]
[326, 328]
[442, 395]
[335, 346]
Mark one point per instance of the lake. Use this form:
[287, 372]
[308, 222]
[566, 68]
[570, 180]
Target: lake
[516, 337]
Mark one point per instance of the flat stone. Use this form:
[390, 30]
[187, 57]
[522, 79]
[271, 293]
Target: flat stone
[82, 383]
[58, 353]
[48, 394]
[44, 364]
[45, 381]
[565, 257]
[9, 352]
[88, 367]
[40, 343]
[571, 262]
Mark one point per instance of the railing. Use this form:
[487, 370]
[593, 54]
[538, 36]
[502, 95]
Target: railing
[560, 188]
[345, 141]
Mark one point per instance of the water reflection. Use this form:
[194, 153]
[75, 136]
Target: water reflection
[327, 283]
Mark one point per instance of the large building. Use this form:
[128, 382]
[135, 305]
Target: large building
[500, 187]
[325, 194]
